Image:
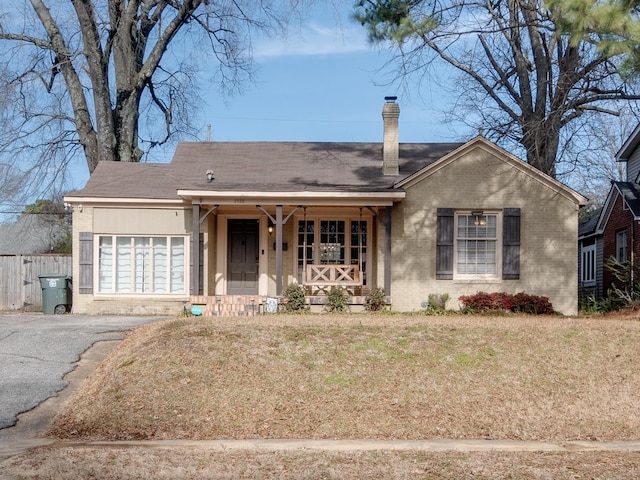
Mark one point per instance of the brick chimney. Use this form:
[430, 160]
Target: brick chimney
[390, 149]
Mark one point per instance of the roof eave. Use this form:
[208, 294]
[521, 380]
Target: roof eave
[386, 198]
[629, 146]
[485, 144]
[121, 200]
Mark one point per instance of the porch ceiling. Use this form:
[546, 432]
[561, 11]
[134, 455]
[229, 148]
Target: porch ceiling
[308, 198]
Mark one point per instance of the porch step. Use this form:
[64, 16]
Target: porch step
[230, 305]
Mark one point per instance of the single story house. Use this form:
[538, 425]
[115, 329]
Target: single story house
[229, 225]
[613, 231]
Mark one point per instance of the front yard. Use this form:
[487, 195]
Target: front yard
[355, 377]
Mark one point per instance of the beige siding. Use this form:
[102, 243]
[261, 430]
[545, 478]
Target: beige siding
[479, 180]
[82, 222]
[142, 221]
[127, 221]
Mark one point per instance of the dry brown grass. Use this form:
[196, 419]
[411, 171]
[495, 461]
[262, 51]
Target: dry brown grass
[366, 377]
[351, 377]
[196, 464]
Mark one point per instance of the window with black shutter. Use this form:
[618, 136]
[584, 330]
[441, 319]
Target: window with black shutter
[468, 244]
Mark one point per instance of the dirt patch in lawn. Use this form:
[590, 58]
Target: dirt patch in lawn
[373, 377]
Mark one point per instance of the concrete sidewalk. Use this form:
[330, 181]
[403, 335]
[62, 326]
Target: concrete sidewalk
[434, 445]
[257, 445]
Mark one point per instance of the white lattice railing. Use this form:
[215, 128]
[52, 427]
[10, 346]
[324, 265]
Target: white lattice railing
[321, 277]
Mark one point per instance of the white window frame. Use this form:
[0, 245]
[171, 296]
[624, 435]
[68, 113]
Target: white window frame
[111, 273]
[622, 244]
[498, 242]
[317, 218]
[588, 265]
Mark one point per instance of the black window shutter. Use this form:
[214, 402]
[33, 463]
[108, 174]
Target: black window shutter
[511, 244]
[85, 262]
[444, 244]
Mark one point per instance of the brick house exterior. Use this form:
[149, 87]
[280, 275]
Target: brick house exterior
[240, 221]
[613, 231]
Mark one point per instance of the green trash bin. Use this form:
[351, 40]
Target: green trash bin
[56, 295]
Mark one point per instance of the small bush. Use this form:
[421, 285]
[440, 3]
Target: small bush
[606, 305]
[482, 302]
[626, 292]
[185, 313]
[375, 301]
[438, 301]
[294, 298]
[337, 301]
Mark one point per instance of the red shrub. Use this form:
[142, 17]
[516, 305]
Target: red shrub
[500, 301]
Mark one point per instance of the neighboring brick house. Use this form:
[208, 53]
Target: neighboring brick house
[612, 231]
[227, 225]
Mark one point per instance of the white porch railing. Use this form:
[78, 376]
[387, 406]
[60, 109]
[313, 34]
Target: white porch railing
[323, 277]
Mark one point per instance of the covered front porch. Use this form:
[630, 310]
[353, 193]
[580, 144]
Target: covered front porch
[251, 247]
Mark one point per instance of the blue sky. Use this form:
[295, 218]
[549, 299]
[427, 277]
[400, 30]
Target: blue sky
[325, 82]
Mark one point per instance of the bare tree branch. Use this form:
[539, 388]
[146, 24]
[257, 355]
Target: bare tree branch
[94, 78]
[521, 78]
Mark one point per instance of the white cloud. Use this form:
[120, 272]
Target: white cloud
[315, 39]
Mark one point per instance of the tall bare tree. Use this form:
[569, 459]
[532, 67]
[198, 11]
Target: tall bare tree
[528, 84]
[110, 79]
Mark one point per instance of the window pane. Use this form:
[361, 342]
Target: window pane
[105, 264]
[177, 265]
[358, 251]
[160, 266]
[142, 264]
[332, 241]
[476, 244]
[306, 235]
[621, 246]
[588, 267]
[123, 264]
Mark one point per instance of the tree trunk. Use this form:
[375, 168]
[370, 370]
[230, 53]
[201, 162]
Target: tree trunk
[98, 72]
[541, 139]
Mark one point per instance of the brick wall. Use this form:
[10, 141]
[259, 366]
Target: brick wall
[619, 219]
[480, 180]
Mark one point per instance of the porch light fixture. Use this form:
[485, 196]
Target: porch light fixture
[68, 208]
[270, 228]
[209, 176]
[480, 220]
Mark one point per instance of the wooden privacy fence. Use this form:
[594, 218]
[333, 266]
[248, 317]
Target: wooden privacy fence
[19, 283]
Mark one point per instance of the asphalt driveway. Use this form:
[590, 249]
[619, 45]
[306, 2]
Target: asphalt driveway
[37, 351]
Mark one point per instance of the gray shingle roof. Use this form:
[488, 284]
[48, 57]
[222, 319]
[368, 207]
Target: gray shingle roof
[261, 166]
[589, 226]
[631, 194]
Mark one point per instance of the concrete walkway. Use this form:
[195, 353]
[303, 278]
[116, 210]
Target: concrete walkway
[435, 445]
